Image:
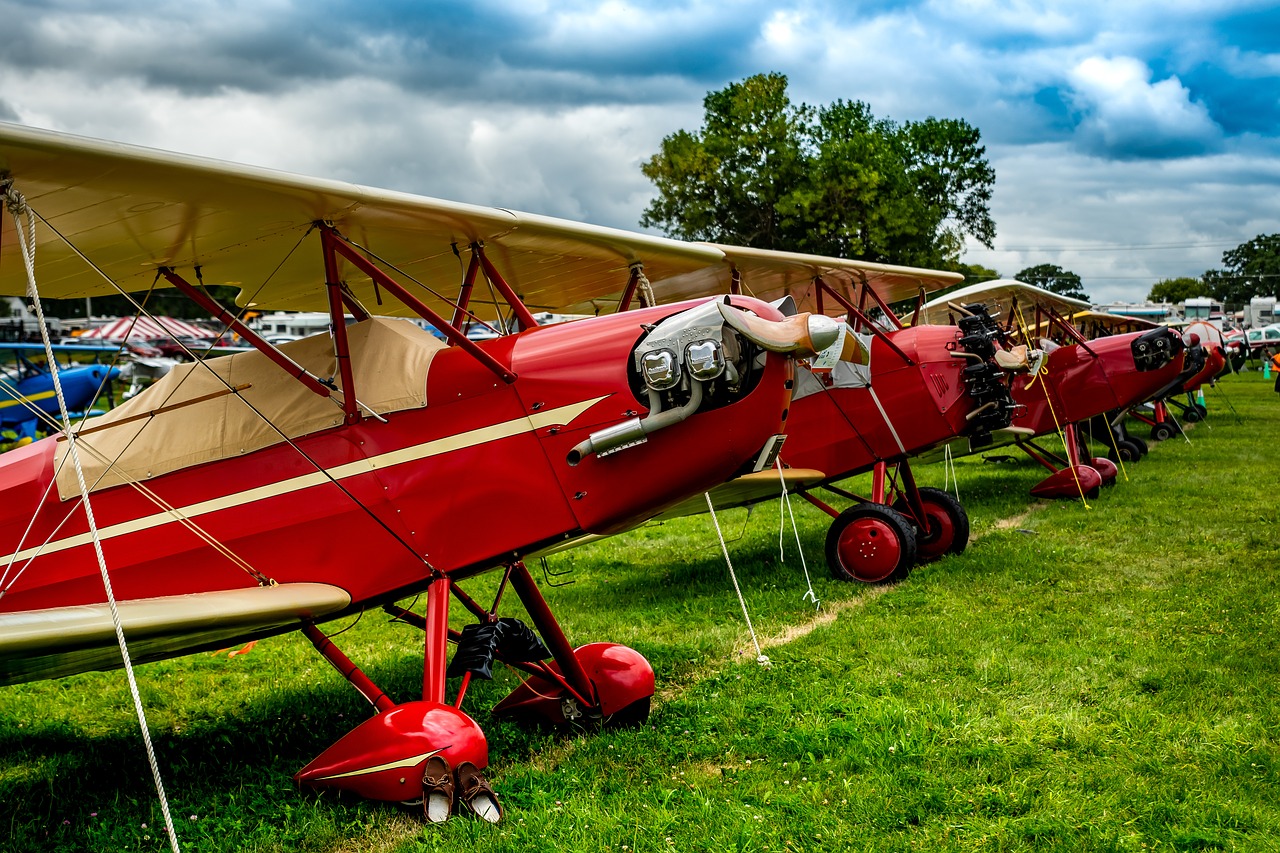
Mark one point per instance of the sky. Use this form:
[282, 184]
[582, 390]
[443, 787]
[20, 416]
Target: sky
[1132, 141]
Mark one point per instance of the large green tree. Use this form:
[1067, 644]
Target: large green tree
[1177, 290]
[1054, 278]
[768, 173]
[1250, 269]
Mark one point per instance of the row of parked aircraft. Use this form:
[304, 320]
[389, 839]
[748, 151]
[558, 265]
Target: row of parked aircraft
[386, 462]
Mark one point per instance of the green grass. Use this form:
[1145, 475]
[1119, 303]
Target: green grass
[1099, 678]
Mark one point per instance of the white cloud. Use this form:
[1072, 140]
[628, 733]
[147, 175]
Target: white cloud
[1122, 226]
[1127, 114]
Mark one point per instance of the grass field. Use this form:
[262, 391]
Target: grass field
[1100, 678]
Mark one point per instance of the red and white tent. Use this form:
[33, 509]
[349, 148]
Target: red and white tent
[144, 329]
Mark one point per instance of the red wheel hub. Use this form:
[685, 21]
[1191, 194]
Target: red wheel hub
[939, 534]
[869, 549]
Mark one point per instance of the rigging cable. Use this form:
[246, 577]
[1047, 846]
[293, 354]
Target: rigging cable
[27, 244]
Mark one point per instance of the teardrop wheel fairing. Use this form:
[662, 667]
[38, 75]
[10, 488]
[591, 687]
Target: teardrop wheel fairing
[946, 524]
[870, 543]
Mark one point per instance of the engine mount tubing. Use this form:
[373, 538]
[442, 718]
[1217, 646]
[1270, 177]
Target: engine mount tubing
[435, 658]
[464, 293]
[348, 670]
[495, 278]
[575, 676]
[451, 333]
[341, 348]
[221, 314]
[866, 321]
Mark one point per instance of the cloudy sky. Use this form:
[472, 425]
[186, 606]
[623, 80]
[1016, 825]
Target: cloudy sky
[1132, 140]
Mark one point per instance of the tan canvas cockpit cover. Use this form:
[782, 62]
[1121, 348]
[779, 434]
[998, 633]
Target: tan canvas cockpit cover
[389, 361]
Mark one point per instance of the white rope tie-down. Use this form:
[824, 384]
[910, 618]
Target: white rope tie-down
[761, 657]
[17, 206]
[785, 502]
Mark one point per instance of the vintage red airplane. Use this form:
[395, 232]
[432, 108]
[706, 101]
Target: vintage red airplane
[277, 489]
[886, 391]
[1112, 428]
[1074, 381]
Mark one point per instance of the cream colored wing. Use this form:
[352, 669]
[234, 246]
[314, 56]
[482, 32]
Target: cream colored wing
[131, 210]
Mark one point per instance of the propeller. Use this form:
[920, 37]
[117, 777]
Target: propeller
[801, 335]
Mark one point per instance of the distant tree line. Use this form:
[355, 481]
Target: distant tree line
[1250, 269]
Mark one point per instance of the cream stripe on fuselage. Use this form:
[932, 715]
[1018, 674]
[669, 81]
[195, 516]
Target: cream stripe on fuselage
[448, 444]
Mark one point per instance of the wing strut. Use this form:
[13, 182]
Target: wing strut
[860, 315]
[338, 322]
[333, 240]
[232, 322]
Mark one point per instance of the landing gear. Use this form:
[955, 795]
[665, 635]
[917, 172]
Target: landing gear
[870, 543]
[1125, 450]
[944, 528]
[385, 758]
[1161, 431]
[1072, 477]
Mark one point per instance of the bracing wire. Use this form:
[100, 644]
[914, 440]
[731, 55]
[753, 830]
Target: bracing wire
[27, 245]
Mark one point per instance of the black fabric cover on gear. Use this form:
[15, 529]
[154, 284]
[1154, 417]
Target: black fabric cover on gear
[481, 642]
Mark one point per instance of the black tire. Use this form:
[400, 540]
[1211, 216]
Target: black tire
[1161, 431]
[1191, 414]
[872, 544]
[633, 715]
[1142, 445]
[947, 521]
[1124, 451]
[1201, 410]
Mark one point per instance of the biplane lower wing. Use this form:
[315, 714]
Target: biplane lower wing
[749, 489]
[62, 641]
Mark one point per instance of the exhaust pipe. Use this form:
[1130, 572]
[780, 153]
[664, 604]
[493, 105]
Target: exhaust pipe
[635, 431]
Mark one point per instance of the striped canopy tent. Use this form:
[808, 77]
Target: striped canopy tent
[145, 329]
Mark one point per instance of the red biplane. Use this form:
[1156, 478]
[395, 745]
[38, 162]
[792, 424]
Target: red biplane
[277, 489]
[1074, 381]
[886, 392]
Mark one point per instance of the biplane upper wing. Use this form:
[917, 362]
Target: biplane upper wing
[999, 295]
[771, 275]
[133, 210]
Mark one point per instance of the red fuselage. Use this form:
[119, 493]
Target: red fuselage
[475, 479]
[842, 431]
[1079, 384]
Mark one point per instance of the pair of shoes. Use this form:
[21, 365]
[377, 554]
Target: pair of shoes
[465, 788]
[476, 794]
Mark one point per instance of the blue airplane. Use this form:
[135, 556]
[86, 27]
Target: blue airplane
[27, 383]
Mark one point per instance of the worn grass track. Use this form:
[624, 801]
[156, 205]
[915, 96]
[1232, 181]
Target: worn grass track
[1078, 679]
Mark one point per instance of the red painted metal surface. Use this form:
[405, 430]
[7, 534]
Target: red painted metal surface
[383, 757]
[619, 676]
[462, 508]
